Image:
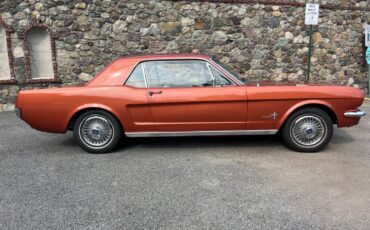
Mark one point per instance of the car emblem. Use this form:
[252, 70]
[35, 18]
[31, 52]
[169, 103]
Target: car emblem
[273, 116]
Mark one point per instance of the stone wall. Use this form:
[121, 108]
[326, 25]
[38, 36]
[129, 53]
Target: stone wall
[266, 40]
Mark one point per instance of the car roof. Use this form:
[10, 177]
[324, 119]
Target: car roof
[145, 57]
[124, 65]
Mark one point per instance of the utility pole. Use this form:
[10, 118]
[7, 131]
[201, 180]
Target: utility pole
[309, 54]
[311, 19]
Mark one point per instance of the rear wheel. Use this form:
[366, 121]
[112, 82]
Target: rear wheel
[97, 131]
[308, 130]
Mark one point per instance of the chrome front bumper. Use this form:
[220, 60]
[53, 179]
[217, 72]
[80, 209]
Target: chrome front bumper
[358, 113]
[18, 112]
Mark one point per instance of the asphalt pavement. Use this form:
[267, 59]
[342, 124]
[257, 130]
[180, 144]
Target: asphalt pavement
[48, 182]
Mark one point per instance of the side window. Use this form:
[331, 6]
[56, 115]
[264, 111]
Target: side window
[220, 80]
[136, 79]
[178, 73]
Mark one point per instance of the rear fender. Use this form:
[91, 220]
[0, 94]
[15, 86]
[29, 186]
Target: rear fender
[92, 106]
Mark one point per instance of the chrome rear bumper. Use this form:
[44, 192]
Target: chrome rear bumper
[358, 113]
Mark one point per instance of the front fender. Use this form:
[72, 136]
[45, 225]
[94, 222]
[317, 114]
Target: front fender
[301, 104]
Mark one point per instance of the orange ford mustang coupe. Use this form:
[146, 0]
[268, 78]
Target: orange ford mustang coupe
[187, 95]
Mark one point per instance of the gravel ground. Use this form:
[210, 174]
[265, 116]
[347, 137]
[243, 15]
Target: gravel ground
[46, 181]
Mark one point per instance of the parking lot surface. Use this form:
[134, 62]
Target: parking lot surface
[47, 181]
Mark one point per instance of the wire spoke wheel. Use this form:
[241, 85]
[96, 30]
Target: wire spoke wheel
[96, 131]
[308, 130]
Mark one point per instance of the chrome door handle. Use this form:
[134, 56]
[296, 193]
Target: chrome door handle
[154, 92]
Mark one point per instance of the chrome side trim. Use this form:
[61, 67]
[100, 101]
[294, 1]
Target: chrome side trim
[202, 133]
[358, 113]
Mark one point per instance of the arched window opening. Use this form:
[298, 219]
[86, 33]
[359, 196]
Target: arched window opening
[6, 55]
[5, 73]
[40, 54]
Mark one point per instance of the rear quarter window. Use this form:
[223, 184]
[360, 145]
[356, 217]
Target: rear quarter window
[136, 78]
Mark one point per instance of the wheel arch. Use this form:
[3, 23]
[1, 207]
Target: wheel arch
[82, 109]
[314, 103]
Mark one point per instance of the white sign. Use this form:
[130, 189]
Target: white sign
[367, 36]
[312, 14]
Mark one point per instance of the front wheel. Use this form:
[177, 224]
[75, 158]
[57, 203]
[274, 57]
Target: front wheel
[97, 131]
[308, 130]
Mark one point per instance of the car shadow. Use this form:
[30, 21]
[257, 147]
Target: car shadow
[201, 142]
[70, 141]
[269, 141]
[341, 136]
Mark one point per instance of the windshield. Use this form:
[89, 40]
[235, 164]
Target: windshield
[241, 80]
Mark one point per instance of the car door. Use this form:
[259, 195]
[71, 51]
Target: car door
[191, 95]
[137, 111]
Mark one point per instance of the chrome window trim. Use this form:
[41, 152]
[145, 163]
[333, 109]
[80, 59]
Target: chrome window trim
[144, 73]
[203, 133]
[210, 62]
[225, 73]
[225, 76]
[210, 72]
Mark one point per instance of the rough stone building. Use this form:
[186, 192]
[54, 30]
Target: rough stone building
[45, 43]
